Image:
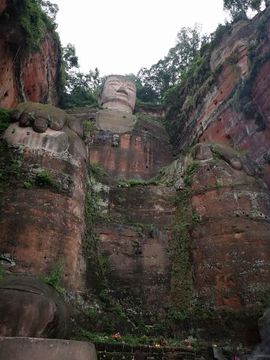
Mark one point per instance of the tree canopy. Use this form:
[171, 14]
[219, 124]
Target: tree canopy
[81, 89]
[152, 83]
[239, 8]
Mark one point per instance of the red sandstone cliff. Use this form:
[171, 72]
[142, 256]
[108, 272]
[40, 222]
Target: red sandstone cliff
[208, 251]
[231, 105]
[26, 75]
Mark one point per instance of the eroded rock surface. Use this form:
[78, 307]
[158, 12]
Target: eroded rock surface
[31, 308]
[136, 243]
[42, 222]
[234, 109]
[26, 75]
[43, 349]
[230, 244]
[137, 153]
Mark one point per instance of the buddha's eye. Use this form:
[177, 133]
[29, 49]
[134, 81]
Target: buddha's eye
[113, 83]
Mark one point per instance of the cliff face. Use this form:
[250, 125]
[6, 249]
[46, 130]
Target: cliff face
[177, 243]
[234, 109]
[42, 217]
[226, 113]
[26, 74]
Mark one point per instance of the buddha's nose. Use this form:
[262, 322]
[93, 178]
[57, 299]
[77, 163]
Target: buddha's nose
[122, 89]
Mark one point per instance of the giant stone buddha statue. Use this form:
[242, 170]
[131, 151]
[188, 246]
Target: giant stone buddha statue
[118, 93]
[118, 97]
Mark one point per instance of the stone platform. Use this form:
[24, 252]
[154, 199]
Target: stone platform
[45, 349]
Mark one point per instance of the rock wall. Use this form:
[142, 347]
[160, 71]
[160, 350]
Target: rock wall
[139, 153]
[234, 109]
[136, 243]
[42, 217]
[136, 214]
[26, 75]
[230, 247]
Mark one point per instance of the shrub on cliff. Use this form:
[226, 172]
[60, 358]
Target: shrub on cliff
[33, 18]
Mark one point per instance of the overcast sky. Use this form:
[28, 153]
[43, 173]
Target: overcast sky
[121, 36]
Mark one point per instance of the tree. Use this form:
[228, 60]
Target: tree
[49, 8]
[81, 89]
[144, 93]
[238, 8]
[167, 72]
[70, 58]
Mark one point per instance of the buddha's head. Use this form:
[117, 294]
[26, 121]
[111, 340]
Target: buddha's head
[118, 93]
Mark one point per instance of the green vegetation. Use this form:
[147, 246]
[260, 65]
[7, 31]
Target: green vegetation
[5, 118]
[181, 278]
[144, 118]
[97, 264]
[88, 128]
[12, 171]
[136, 182]
[239, 8]
[96, 170]
[153, 83]
[189, 172]
[34, 17]
[31, 19]
[46, 179]
[54, 277]
[80, 89]
[131, 340]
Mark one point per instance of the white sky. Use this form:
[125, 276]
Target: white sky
[121, 36]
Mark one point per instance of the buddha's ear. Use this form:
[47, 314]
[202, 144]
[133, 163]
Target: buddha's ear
[99, 99]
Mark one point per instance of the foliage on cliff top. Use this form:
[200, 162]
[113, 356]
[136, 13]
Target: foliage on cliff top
[156, 80]
[80, 89]
[33, 17]
[239, 8]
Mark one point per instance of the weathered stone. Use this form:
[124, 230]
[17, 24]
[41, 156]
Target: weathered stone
[76, 125]
[44, 238]
[55, 117]
[40, 125]
[57, 123]
[29, 307]
[236, 164]
[55, 142]
[25, 120]
[136, 243]
[39, 70]
[115, 121]
[140, 154]
[44, 349]
[202, 152]
[230, 243]
[118, 93]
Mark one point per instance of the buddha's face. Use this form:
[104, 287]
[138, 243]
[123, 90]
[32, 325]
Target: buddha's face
[119, 94]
